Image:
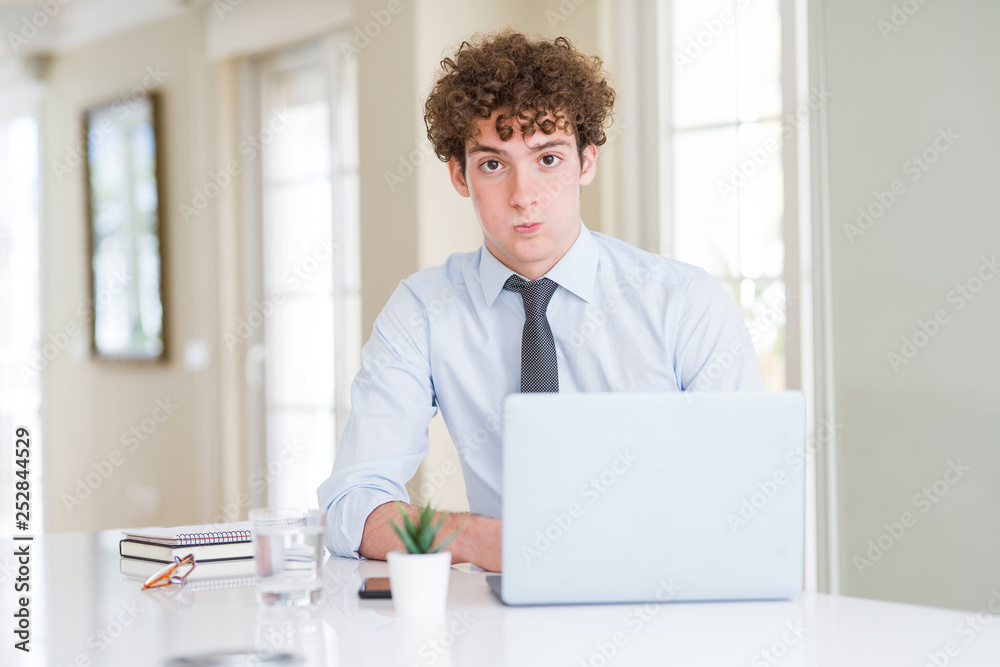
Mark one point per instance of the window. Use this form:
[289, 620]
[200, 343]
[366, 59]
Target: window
[309, 270]
[727, 187]
[723, 87]
[21, 360]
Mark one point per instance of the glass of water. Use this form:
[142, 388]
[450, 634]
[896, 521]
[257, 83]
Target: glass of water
[288, 546]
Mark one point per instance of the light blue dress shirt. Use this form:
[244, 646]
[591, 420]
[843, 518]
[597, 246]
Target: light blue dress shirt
[449, 338]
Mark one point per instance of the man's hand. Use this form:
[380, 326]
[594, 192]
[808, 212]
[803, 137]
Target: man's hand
[478, 543]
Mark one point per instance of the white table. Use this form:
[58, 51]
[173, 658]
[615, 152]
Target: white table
[84, 611]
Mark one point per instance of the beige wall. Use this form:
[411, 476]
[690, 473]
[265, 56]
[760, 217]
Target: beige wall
[89, 405]
[900, 428]
[387, 95]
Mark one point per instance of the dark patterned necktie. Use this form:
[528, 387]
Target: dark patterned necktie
[539, 364]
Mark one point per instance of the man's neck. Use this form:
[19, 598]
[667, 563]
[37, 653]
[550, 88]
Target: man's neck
[532, 270]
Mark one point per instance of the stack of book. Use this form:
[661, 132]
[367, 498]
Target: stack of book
[223, 553]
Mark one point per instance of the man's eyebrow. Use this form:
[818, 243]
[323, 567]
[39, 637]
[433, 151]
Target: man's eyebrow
[554, 143]
[482, 148]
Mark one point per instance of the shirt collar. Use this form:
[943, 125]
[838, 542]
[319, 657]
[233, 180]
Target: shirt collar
[576, 271]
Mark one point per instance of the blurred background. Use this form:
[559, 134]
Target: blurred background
[831, 163]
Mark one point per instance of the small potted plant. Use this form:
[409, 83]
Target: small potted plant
[419, 576]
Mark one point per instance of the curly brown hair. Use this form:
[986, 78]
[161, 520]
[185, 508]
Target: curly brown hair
[523, 79]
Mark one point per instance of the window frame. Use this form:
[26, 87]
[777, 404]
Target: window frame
[20, 99]
[328, 52]
[644, 183]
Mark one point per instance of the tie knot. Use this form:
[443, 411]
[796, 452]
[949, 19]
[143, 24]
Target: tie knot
[535, 294]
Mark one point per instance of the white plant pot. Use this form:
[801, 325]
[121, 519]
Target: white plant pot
[419, 582]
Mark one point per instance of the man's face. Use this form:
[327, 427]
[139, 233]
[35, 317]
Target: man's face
[526, 193]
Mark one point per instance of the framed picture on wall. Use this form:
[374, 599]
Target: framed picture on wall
[124, 229]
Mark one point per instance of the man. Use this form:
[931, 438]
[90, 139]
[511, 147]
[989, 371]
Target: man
[543, 305]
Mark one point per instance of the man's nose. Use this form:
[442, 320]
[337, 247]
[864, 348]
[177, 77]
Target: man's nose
[524, 190]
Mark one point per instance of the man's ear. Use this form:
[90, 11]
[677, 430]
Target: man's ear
[588, 164]
[457, 177]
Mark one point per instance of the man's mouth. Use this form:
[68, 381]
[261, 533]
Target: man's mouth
[529, 228]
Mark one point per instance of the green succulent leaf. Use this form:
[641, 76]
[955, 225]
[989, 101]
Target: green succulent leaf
[426, 514]
[408, 542]
[446, 541]
[425, 539]
[418, 537]
[410, 528]
[441, 518]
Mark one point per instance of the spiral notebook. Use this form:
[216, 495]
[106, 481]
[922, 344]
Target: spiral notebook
[184, 536]
[227, 541]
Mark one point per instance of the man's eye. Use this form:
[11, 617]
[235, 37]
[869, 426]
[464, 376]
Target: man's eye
[491, 165]
[550, 160]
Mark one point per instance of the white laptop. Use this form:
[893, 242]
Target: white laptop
[652, 497]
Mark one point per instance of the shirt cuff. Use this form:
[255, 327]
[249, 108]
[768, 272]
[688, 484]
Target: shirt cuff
[345, 519]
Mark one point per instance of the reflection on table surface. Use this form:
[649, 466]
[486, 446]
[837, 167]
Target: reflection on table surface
[85, 611]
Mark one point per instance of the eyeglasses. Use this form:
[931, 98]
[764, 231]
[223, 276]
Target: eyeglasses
[175, 573]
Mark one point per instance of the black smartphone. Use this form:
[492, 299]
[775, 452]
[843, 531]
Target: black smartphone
[375, 588]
